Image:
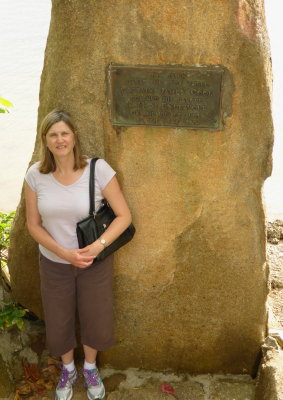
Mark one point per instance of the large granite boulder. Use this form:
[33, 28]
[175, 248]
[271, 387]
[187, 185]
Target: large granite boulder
[191, 287]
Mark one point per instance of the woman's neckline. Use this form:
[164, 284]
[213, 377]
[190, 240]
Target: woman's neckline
[75, 182]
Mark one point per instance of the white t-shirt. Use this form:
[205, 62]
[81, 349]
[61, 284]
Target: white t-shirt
[61, 207]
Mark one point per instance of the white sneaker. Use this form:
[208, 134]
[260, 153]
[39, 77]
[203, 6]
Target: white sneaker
[93, 384]
[64, 390]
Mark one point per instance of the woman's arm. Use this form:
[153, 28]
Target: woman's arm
[41, 236]
[113, 194]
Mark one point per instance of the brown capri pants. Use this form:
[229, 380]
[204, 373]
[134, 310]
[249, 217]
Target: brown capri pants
[65, 289]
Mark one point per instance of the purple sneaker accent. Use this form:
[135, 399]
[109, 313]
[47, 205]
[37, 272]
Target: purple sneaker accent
[64, 389]
[94, 384]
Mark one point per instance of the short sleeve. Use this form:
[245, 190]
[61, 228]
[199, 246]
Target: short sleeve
[103, 173]
[30, 177]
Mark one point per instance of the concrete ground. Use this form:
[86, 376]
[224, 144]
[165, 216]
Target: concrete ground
[134, 384]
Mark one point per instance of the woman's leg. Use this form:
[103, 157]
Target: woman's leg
[68, 377]
[95, 308]
[68, 357]
[94, 291]
[90, 354]
[93, 382]
[59, 302]
[58, 292]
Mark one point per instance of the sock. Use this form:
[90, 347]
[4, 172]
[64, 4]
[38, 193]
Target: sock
[89, 365]
[70, 367]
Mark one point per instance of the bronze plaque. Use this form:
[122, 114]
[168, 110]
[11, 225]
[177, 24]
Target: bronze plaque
[165, 96]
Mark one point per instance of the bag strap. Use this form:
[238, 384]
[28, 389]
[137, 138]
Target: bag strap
[92, 186]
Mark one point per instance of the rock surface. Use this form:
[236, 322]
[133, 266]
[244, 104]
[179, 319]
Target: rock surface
[275, 298]
[222, 390]
[270, 375]
[275, 231]
[15, 347]
[270, 379]
[191, 287]
[6, 381]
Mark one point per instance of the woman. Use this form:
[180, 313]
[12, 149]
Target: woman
[57, 197]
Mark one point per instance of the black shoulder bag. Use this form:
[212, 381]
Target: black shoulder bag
[95, 224]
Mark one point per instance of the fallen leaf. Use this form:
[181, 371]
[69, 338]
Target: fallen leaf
[17, 396]
[26, 369]
[46, 382]
[35, 373]
[24, 389]
[40, 389]
[53, 361]
[31, 371]
[166, 388]
[54, 369]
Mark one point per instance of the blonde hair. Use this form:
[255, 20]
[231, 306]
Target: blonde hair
[48, 163]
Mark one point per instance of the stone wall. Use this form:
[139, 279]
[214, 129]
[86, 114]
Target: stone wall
[191, 287]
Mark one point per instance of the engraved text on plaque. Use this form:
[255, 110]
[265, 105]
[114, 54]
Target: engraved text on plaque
[165, 96]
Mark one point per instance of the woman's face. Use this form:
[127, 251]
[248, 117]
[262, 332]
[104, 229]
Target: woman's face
[60, 139]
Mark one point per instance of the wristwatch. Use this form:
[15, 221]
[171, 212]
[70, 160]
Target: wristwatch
[103, 242]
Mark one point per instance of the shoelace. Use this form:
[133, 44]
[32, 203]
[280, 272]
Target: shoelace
[63, 378]
[93, 378]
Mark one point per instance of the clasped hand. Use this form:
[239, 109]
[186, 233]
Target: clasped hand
[83, 258]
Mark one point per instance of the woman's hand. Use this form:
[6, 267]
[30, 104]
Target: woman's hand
[83, 258]
[78, 257]
[92, 250]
